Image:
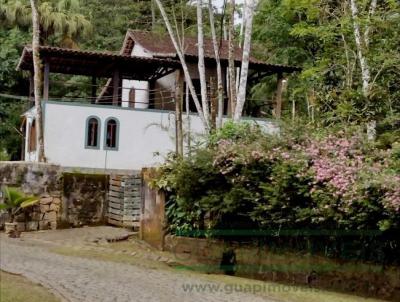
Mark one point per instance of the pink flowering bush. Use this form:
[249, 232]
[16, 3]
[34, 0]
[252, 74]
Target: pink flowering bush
[299, 180]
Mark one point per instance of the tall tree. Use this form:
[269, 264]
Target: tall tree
[201, 65]
[231, 57]
[37, 78]
[241, 97]
[219, 70]
[365, 69]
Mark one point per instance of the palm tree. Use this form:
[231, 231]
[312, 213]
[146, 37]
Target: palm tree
[59, 20]
[15, 201]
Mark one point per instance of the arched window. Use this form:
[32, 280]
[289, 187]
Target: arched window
[111, 134]
[92, 140]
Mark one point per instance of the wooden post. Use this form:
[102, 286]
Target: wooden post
[46, 81]
[31, 90]
[116, 82]
[213, 105]
[178, 111]
[94, 90]
[278, 97]
[152, 94]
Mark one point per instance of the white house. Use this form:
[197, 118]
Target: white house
[131, 123]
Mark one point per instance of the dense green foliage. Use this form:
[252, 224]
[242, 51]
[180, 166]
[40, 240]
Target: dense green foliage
[318, 35]
[306, 179]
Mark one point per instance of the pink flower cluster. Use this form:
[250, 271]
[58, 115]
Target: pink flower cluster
[336, 162]
[392, 196]
[338, 166]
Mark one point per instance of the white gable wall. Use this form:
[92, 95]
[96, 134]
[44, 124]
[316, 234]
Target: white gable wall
[141, 87]
[165, 84]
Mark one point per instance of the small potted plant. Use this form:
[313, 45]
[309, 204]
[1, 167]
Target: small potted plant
[14, 202]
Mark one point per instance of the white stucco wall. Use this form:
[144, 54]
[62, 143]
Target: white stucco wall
[141, 93]
[141, 134]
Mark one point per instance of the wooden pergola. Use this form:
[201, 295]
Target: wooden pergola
[97, 65]
[116, 67]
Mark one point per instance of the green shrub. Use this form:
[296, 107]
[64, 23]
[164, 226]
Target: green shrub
[300, 180]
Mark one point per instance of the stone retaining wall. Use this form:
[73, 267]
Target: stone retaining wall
[43, 216]
[84, 200]
[67, 199]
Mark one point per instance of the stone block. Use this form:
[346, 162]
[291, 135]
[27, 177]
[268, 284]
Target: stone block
[32, 225]
[21, 226]
[44, 225]
[36, 216]
[55, 193]
[53, 225]
[46, 200]
[54, 207]
[20, 218]
[50, 216]
[57, 201]
[44, 208]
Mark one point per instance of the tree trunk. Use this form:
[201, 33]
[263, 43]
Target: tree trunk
[201, 66]
[365, 71]
[242, 28]
[219, 70]
[213, 103]
[153, 16]
[371, 12]
[241, 98]
[231, 58]
[178, 112]
[361, 49]
[278, 97]
[243, 24]
[188, 79]
[37, 78]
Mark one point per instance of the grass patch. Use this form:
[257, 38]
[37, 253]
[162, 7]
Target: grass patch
[15, 288]
[136, 260]
[282, 292]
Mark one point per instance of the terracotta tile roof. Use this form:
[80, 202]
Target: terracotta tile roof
[161, 46]
[102, 64]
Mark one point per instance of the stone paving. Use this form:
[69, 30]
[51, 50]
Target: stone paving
[80, 279]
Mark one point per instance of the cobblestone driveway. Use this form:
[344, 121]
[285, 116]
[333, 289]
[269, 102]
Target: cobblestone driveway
[80, 279]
